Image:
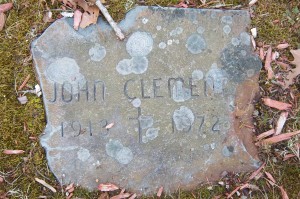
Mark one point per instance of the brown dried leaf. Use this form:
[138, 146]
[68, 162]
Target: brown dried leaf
[159, 192]
[279, 138]
[283, 46]
[70, 186]
[283, 193]
[13, 152]
[107, 187]
[283, 65]
[276, 104]
[2, 20]
[5, 7]
[288, 156]
[109, 126]
[268, 62]
[261, 54]
[265, 134]
[45, 184]
[77, 19]
[270, 177]
[48, 17]
[121, 196]
[257, 171]
[281, 121]
[295, 72]
[90, 16]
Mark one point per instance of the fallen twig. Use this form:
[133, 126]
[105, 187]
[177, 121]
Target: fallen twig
[110, 20]
[24, 82]
[45, 184]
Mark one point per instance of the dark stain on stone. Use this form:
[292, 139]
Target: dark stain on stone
[239, 62]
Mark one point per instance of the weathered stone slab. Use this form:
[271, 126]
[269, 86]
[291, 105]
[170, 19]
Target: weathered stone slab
[179, 91]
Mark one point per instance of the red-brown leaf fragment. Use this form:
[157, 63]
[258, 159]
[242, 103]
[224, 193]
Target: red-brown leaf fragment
[257, 171]
[107, 187]
[268, 62]
[270, 177]
[283, 193]
[5, 7]
[279, 138]
[159, 192]
[283, 46]
[77, 19]
[265, 134]
[2, 20]
[13, 152]
[121, 196]
[276, 104]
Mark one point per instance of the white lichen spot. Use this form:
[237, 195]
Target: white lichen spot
[136, 65]
[176, 41]
[235, 41]
[83, 154]
[176, 31]
[151, 134]
[245, 38]
[200, 30]
[124, 156]
[197, 75]
[183, 118]
[216, 79]
[136, 102]
[213, 146]
[226, 29]
[139, 44]
[66, 71]
[227, 151]
[169, 42]
[180, 94]
[227, 19]
[145, 20]
[146, 121]
[158, 28]
[243, 53]
[162, 45]
[250, 72]
[124, 67]
[196, 44]
[97, 53]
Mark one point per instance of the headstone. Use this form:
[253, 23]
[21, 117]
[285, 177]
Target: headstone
[179, 91]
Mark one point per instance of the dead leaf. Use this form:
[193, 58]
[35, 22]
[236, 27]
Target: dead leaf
[295, 72]
[182, 4]
[45, 184]
[160, 190]
[70, 196]
[282, 46]
[252, 2]
[257, 171]
[270, 177]
[5, 7]
[133, 196]
[90, 16]
[281, 121]
[48, 17]
[2, 20]
[23, 99]
[121, 196]
[1, 180]
[283, 65]
[283, 193]
[265, 134]
[109, 126]
[77, 19]
[279, 138]
[276, 104]
[13, 152]
[70, 186]
[261, 54]
[288, 156]
[268, 62]
[107, 187]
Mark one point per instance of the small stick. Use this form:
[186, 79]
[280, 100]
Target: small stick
[24, 82]
[110, 20]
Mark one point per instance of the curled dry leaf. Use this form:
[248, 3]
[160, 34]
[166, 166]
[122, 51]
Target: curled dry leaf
[5, 7]
[257, 171]
[283, 193]
[2, 20]
[90, 16]
[268, 62]
[45, 184]
[13, 152]
[252, 2]
[295, 72]
[109, 126]
[270, 177]
[265, 134]
[276, 104]
[159, 192]
[77, 19]
[107, 187]
[279, 138]
[281, 121]
[283, 46]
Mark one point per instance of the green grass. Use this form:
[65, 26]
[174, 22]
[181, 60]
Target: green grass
[19, 122]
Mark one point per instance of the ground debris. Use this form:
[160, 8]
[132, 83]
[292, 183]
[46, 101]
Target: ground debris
[107, 187]
[45, 184]
[276, 104]
[295, 72]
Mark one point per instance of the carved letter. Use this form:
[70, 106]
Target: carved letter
[175, 80]
[156, 88]
[126, 89]
[103, 89]
[143, 90]
[54, 93]
[86, 90]
[63, 91]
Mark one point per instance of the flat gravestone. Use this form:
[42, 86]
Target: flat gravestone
[179, 91]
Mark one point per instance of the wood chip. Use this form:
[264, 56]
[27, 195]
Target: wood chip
[45, 184]
[252, 2]
[281, 121]
[13, 152]
[283, 46]
[265, 134]
[109, 126]
[159, 192]
[268, 62]
[276, 104]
